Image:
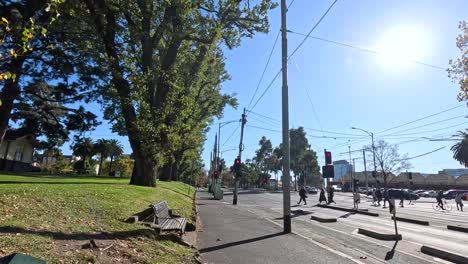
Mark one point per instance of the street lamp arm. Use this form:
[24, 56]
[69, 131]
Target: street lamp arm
[369, 133]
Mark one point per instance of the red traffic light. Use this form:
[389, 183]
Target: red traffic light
[215, 174]
[328, 154]
[328, 158]
[237, 162]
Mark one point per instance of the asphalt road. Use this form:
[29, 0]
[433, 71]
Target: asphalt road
[342, 236]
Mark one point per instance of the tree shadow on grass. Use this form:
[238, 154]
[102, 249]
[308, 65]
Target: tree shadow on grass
[79, 236]
[76, 183]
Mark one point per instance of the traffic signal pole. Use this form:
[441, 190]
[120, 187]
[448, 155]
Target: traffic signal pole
[241, 147]
[285, 119]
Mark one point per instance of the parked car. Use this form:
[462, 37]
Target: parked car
[311, 190]
[465, 196]
[396, 194]
[431, 194]
[450, 194]
[362, 190]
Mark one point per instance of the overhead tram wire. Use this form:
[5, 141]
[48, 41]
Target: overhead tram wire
[295, 50]
[313, 109]
[268, 61]
[427, 153]
[364, 49]
[429, 131]
[422, 118]
[264, 116]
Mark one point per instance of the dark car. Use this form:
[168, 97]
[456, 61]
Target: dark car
[450, 194]
[396, 194]
[311, 190]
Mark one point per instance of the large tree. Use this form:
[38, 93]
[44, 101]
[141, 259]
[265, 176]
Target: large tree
[298, 146]
[115, 149]
[459, 67]
[163, 56]
[388, 160]
[84, 148]
[460, 149]
[263, 153]
[42, 92]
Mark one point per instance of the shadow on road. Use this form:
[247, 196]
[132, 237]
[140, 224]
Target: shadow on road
[296, 213]
[347, 215]
[391, 253]
[236, 243]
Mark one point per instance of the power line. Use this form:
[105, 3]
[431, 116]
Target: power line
[262, 128]
[295, 50]
[427, 153]
[425, 117]
[422, 132]
[264, 116]
[265, 68]
[364, 49]
[234, 131]
[441, 121]
[313, 109]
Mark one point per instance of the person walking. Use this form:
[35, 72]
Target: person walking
[302, 195]
[402, 198]
[439, 197]
[386, 198]
[374, 197]
[458, 201]
[378, 193]
[330, 195]
[322, 197]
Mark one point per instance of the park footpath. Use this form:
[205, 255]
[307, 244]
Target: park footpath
[227, 233]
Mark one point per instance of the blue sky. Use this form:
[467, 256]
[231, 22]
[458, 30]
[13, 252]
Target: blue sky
[349, 87]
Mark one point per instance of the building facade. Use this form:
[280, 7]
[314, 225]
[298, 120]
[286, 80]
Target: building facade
[341, 168]
[454, 172]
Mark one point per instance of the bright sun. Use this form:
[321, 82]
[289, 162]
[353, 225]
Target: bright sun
[401, 45]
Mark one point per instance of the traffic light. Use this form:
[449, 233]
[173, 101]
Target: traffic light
[328, 158]
[215, 174]
[410, 175]
[237, 164]
[373, 174]
[328, 171]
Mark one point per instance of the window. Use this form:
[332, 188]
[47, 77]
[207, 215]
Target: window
[19, 153]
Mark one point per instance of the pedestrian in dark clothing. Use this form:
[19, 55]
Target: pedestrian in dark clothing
[378, 193]
[303, 195]
[330, 195]
[439, 197]
[198, 186]
[322, 197]
[402, 197]
[386, 198]
[458, 201]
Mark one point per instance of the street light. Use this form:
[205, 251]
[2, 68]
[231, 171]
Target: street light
[373, 147]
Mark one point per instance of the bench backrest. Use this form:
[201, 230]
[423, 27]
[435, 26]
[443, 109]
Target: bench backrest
[161, 210]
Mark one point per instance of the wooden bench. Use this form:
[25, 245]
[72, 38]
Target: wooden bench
[165, 221]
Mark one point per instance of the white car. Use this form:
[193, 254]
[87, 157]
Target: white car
[431, 194]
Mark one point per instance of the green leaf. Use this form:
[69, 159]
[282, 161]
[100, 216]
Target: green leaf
[43, 31]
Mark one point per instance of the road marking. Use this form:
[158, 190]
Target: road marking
[316, 243]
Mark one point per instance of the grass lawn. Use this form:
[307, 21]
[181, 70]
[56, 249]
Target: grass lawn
[53, 217]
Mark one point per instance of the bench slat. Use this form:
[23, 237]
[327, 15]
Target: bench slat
[163, 218]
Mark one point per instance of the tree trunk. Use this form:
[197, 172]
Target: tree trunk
[110, 165]
[175, 171]
[144, 173]
[100, 165]
[8, 95]
[166, 172]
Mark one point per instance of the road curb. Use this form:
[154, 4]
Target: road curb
[380, 236]
[444, 255]
[457, 228]
[413, 221]
[348, 210]
[323, 220]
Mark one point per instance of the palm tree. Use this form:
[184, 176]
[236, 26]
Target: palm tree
[115, 149]
[84, 148]
[460, 149]
[102, 147]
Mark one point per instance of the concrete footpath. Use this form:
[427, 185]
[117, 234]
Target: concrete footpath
[231, 234]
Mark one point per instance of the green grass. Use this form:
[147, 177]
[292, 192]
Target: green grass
[52, 217]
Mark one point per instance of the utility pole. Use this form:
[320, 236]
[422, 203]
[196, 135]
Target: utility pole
[285, 119]
[365, 169]
[215, 162]
[373, 154]
[351, 169]
[241, 147]
[210, 183]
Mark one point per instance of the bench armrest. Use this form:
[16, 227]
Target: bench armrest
[175, 212]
